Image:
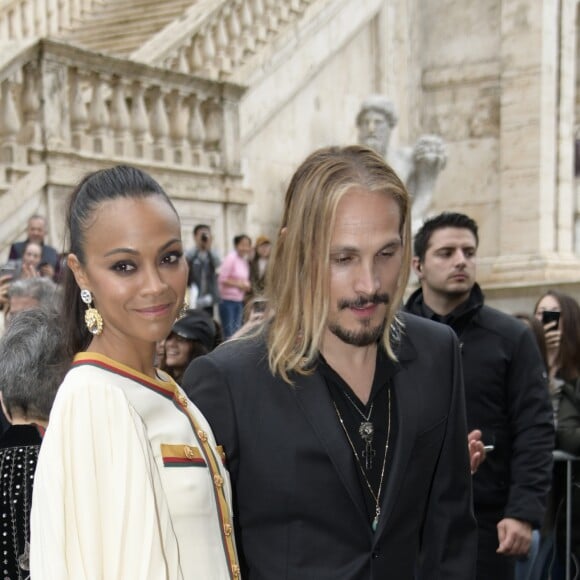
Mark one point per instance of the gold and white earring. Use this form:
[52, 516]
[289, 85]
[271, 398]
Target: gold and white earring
[183, 310]
[93, 318]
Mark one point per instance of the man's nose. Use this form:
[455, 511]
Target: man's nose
[367, 281]
[460, 258]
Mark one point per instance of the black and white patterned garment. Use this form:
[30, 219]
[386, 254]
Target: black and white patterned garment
[19, 447]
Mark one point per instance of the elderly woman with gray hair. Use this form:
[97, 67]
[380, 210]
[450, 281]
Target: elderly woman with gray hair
[32, 366]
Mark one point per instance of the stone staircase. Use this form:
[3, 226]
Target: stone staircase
[85, 84]
[119, 26]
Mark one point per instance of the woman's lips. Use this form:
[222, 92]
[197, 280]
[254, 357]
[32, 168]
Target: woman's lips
[155, 311]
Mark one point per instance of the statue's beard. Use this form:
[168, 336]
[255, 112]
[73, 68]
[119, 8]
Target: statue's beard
[374, 143]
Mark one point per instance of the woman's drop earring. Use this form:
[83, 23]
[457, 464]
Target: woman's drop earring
[93, 318]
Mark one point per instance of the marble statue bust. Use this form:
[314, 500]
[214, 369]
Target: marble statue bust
[417, 166]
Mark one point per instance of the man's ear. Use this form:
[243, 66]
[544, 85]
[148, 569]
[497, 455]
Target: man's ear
[416, 263]
[78, 271]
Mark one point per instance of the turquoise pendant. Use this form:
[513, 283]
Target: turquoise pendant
[375, 523]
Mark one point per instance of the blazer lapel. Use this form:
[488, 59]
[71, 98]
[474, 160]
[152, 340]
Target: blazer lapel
[315, 401]
[405, 396]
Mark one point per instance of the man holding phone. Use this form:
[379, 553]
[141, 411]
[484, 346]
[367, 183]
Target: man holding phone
[203, 266]
[506, 392]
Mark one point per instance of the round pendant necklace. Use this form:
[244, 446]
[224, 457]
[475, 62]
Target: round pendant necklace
[376, 496]
[366, 430]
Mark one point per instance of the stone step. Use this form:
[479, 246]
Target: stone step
[116, 31]
[154, 12]
[118, 25]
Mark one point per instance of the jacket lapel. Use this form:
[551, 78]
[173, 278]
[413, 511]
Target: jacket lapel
[405, 396]
[315, 401]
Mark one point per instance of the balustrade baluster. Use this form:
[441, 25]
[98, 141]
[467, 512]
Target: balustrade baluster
[120, 119]
[159, 125]
[235, 33]
[31, 132]
[4, 27]
[75, 10]
[195, 55]
[181, 64]
[9, 124]
[260, 29]
[79, 119]
[52, 17]
[296, 6]
[271, 12]
[223, 62]
[209, 54]
[196, 132]
[16, 28]
[27, 19]
[40, 17]
[283, 10]
[247, 19]
[213, 133]
[139, 120]
[99, 116]
[64, 16]
[177, 125]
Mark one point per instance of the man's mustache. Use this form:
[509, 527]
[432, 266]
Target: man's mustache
[362, 301]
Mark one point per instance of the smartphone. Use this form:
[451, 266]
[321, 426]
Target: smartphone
[551, 316]
[8, 269]
[259, 306]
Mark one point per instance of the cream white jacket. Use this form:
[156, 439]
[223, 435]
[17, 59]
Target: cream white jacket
[130, 483]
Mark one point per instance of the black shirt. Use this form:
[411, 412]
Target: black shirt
[345, 402]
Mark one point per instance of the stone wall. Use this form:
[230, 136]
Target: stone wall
[495, 78]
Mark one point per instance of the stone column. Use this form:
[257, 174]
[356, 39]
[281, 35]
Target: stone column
[529, 112]
[566, 123]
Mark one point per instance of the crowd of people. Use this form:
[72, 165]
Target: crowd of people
[279, 416]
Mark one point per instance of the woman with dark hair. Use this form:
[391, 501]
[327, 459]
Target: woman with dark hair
[560, 315]
[130, 482]
[191, 336]
[33, 366]
[562, 337]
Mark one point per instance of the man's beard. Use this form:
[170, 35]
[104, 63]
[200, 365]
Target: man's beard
[367, 335]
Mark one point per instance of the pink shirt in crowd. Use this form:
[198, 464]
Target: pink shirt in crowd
[233, 267]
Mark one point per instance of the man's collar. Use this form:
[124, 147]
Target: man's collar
[416, 304]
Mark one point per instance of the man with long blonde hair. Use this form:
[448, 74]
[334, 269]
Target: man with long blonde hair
[342, 419]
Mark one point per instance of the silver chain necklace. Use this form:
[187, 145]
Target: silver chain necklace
[367, 431]
[377, 496]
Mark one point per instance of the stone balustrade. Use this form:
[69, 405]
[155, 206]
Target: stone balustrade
[37, 18]
[219, 41]
[55, 97]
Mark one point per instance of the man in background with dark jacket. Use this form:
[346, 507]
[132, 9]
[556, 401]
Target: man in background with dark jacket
[203, 265]
[506, 392]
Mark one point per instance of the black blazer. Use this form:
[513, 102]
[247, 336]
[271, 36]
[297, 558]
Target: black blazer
[299, 508]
